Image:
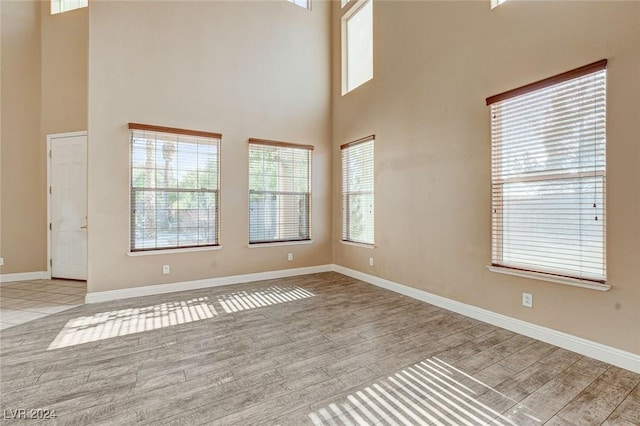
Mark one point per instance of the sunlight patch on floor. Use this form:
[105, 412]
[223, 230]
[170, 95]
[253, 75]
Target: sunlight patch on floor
[251, 299]
[123, 322]
[429, 392]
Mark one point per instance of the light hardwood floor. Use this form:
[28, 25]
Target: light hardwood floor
[318, 349]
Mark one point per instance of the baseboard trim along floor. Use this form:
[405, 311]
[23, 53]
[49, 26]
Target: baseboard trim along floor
[150, 290]
[24, 276]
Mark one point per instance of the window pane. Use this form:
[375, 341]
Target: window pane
[302, 3]
[359, 45]
[279, 193]
[553, 225]
[548, 179]
[174, 180]
[358, 193]
[59, 6]
[360, 217]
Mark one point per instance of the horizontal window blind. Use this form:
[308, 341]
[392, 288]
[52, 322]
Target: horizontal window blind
[357, 191]
[548, 177]
[279, 191]
[174, 188]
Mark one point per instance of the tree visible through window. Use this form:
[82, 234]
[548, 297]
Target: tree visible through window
[357, 191]
[279, 191]
[174, 188]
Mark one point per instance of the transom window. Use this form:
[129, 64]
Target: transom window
[357, 191]
[174, 188]
[279, 191]
[60, 6]
[302, 3]
[357, 44]
[549, 174]
[496, 3]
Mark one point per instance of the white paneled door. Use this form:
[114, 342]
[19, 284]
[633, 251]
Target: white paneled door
[68, 208]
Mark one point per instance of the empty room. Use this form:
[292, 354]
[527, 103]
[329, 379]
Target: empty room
[292, 212]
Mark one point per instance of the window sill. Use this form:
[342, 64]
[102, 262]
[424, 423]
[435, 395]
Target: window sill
[172, 251]
[551, 278]
[279, 243]
[363, 245]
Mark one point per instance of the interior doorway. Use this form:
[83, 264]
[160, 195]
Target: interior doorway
[68, 225]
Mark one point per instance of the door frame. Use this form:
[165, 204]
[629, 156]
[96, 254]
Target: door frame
[50, 137]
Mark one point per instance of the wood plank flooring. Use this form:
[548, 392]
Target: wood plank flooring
[319, 349]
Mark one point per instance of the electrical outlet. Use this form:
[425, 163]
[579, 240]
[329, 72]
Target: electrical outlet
[166, 269]
[1, 261]
[371, 261]
[290, 256]
[527, 300]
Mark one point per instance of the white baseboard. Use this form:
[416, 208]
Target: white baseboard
[126, 293]
[608, 354]
[24, 276]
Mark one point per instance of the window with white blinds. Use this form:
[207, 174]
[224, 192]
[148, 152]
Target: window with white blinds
[548, 175]
[357, 191]
[279, 191]
[174, 188]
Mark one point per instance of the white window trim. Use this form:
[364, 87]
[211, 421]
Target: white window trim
[356, 244]
[575, 282]
[171, 251]
[279, 243]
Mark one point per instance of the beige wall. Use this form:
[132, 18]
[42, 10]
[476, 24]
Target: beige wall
[1, 136]
[23, 168]
[244, 69]
[65, 51]
[44, 91]
[435, 63]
